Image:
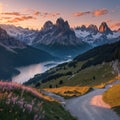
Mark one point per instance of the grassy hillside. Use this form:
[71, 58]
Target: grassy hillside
[93, 68]
[92, 76]
[18, 102]
[68, 91]
[112, 97]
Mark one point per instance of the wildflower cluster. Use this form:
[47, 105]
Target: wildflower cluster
[24, 102]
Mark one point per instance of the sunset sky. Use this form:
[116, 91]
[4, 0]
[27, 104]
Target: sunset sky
[33, 13]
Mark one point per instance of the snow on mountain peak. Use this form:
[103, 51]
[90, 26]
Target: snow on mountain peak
[96, 37]
[22, 34]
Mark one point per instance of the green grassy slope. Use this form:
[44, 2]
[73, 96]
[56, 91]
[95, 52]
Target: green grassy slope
[112, 97]
[92, 76]
[22, 103]
[91, 68]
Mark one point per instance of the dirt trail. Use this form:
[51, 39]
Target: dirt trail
[89, 106]
[98, 101]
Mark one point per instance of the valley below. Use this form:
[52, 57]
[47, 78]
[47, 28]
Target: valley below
[59, 71]
[28, 72]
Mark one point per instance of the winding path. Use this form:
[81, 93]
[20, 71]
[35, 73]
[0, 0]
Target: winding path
[91, 107]
[88, 107]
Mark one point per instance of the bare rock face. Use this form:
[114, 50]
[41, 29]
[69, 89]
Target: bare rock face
[8, 41]
[59, 39]
[105, 29]
[62, 25]
[59, 33]
[48, 25]
[92, 29]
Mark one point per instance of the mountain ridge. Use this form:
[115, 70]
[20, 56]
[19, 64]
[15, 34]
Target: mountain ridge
[96, 60]
[60, 39]
[15, 53]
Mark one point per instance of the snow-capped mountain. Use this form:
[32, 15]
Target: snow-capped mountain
[10, 42]
[104, 29]
[15, 53]
[23, 34]
[95, 36]
[59, 39]
[59, 33]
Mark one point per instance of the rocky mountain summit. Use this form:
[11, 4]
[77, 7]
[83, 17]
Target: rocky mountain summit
[58, 33]
[6, 40]
[105, 29]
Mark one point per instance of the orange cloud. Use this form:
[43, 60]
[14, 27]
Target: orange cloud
[11, 13]
[19, 19]
[94, 13]
[100, 12]
[49, 15]
[115, 26]
[81, 13]
[6, 18]
[36, 13]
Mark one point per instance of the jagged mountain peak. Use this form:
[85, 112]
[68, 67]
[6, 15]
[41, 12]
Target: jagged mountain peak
[83, 28]
[59, 34]
[7, 41]
[3, 33]
[22, 34]
[118, 30]
[92, 29]
[104, 28]
[47, 25]
[60, 20]
[61, 24]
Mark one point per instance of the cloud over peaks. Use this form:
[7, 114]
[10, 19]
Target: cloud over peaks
[12, 13]
[115, 25]
[100, 12]
[49, 15]
[95, 13]
[19, 19]
[81, 13]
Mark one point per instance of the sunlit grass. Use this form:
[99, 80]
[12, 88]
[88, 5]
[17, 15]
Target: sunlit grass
[18, 102]
[69, 91]
[95, 76]
[112, 97]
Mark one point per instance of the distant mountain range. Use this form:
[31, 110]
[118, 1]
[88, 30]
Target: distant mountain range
[95, 36]
[60, 40]
[19, 46]
[23, 34]
[14, 53]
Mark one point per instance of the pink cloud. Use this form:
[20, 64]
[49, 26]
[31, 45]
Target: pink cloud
[78, 14]
[115, 25]
[49, 15]
[19, 19]
[36, 13]
[100, 12]
[11, 13]
[95, 13]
